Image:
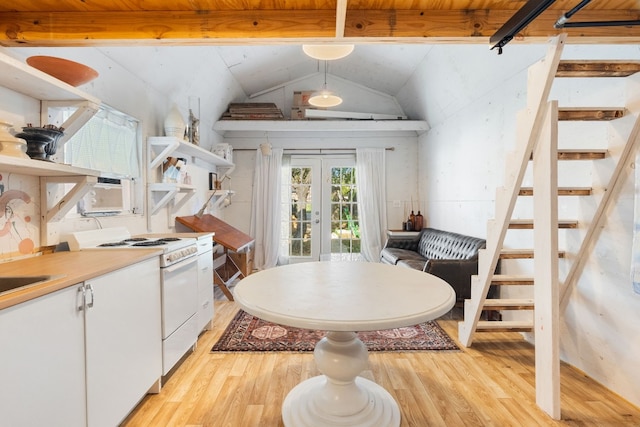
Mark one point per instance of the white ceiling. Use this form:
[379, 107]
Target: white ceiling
[382, 67]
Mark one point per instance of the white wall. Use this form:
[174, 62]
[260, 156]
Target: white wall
[470, 97]
[121, 86]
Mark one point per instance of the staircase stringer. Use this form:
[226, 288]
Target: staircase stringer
[540, 79]
[595, 228]
[545, 248]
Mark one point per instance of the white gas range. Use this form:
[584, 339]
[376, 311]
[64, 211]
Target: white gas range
[179, 281]
[175, 247]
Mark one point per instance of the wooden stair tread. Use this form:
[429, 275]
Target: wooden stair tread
[580, 154]
[522, 253]
[562, 191]
[527, 224]
[578, 68]
[506, 279]
[509, 304]
[590, 114]
[504, 326]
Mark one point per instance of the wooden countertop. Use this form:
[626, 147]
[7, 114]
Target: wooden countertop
[69, 268]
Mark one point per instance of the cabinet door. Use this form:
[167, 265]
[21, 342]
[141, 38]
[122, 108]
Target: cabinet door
[123, 340]
[42, 377]
[205, 290]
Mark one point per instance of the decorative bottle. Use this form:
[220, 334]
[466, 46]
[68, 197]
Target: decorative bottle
[419, 222]
[412, 220]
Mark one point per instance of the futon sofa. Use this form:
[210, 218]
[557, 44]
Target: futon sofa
[451, 256]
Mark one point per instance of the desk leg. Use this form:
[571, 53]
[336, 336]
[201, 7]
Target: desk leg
[228, 279]
[219, 281]
[340, 397]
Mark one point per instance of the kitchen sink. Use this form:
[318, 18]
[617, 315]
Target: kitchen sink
[12, 283]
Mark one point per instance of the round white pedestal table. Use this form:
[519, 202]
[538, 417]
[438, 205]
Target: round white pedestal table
[343, 297]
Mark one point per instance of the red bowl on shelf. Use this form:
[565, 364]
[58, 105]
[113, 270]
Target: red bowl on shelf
[70, 72]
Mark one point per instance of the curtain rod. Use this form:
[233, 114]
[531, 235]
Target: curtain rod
[310, 149]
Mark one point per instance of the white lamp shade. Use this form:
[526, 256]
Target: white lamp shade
[327, 52]
[325, 98]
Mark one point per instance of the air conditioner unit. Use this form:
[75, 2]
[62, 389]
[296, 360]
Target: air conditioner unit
[107, 197]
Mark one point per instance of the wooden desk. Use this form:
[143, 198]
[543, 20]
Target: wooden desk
[343, 297]
[240, 259]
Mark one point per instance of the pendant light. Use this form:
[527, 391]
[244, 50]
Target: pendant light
[325, 98]
[327, 52]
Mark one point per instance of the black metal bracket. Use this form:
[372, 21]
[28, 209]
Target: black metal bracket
[518, 21]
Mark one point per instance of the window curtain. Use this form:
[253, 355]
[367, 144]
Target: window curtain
[265, 210]
[372, 200]
[108, 143]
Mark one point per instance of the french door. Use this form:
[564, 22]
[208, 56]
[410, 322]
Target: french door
[320, 212]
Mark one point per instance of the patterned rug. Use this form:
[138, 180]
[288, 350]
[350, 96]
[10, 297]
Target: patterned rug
[248, 333]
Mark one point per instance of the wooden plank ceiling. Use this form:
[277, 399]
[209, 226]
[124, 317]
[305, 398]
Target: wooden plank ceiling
[223, 22]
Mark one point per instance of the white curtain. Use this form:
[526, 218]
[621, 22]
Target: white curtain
[108, 142]
[265, 211]
[372, 201]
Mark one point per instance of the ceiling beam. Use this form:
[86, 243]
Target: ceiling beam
[341, 17]
[87, 28]
[289, 26]
[480, 23]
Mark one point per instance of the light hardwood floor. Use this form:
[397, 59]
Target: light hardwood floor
[490, 383]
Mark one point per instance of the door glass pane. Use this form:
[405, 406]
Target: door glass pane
[345, 227]
[300, 221]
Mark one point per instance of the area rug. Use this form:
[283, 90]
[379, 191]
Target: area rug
[248, 333]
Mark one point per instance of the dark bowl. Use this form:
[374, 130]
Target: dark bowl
[45, 132]
[34, 137]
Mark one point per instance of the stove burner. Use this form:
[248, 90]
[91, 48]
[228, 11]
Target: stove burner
[121, 243]
[136, 239]
[169, 239]
[150, 243]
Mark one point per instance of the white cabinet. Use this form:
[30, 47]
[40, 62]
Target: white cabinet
[205, 282]
[123, 340]
[42, 361]
[84, 355]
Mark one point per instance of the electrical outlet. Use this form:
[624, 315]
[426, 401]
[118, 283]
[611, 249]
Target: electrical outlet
[396, 204]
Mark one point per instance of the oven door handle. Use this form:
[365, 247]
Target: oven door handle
[181, 264]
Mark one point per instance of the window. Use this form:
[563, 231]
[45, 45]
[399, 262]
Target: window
[109, 142]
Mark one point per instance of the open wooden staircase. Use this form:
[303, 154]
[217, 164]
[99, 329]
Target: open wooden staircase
[537, 152]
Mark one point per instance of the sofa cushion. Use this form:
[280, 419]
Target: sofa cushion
[392, 255]
[417, 264]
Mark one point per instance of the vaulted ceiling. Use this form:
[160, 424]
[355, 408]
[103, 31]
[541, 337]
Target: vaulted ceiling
[259, 40]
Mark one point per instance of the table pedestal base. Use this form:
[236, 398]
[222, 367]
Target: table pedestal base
[340, 397]
[299, 409]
